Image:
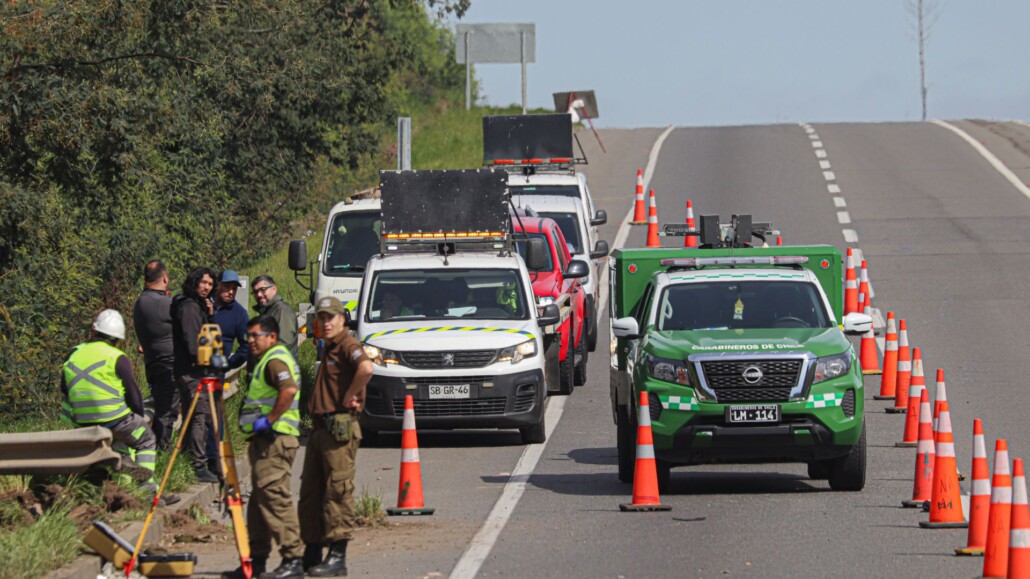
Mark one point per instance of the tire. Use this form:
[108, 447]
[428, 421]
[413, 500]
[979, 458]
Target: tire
[579, 377]
[565, 373]
[820, 469]
[591, 324]
[848, 472]
[664, 475]
[535, 434]
[626, 441]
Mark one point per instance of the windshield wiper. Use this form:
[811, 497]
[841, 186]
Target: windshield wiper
[349, 267]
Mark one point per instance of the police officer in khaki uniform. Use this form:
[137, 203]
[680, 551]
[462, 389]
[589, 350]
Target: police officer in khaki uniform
[326, 506]
[271, 415]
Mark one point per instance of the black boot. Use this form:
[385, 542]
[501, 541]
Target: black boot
[288, 569]
[257, 568]
[312, 556]
[335, 564]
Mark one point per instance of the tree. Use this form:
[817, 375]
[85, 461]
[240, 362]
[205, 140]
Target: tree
[924, 14]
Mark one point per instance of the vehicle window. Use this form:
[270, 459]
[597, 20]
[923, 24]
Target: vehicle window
[447, 294]
[741, 305]
[641, 309]
[521, 247]
[569, 225]
[559, 245]
[353, 240]
[562, 190]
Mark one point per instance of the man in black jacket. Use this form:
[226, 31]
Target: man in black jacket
[152, 317]
[190, 311]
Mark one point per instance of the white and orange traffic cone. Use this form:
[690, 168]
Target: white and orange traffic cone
[940, 396]
[980, 500]
[639, 215]
[904, 371]
[652, 222]
[1019, 535]
[999, 521]
[914, 414]
[945, 499]
[863, 277]
[409, 491]
[690, 240]
[926, 456]
[889, 380]
[869, 354]
[863, 286]
[645, 474]
[850, 286]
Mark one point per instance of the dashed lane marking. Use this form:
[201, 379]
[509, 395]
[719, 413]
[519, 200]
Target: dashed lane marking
[833, 188]
[850, 236]
[843, 218]
[824, 164]
[820, 153]
[839, 202]
[829, 176]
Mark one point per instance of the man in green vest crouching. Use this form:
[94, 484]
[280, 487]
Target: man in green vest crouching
[100, 390]
[271, 416]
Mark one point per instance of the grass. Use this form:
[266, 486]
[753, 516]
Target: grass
[53, 541]
[369, 509]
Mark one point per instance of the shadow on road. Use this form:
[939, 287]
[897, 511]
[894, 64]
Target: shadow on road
[448, 439]
[682, 483]
[604, 455]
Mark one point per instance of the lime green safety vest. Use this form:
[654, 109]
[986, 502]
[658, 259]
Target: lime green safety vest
[95, 393]
[261, 395]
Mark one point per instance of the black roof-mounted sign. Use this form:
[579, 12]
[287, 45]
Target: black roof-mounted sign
[528, 140]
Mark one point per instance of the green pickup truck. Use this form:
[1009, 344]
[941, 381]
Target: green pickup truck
[743, 355]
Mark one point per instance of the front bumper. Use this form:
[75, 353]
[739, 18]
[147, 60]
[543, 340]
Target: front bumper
[499, 401]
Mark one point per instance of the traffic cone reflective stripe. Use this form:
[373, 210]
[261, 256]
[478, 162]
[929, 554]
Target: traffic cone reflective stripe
[889, 380]
[409, 492]
[926, 456]
[690, 240]
[864, 278]
[945, 499]
[1019, 536]
[980, 500]
[996, 547]
[850, 286]
[863, 286]
[914, 412]
[645, 474]
[904, 378]
[652, 222]
[869, 354]
[940, 397]
[639, 217]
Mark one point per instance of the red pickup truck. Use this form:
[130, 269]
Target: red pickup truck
[559, 284]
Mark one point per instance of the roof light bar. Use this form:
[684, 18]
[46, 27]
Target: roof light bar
[534, 161]
[750, 260]
[446, 235]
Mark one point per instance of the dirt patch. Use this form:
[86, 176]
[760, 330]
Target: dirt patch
[191, 527]
[116, 499]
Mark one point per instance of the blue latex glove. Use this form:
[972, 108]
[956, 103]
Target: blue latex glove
[262, 425]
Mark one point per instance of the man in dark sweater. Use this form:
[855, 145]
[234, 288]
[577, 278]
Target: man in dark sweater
[270, 303]
[190, 311]
[152, 318]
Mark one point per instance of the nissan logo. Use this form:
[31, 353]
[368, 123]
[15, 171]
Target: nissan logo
[752, 374]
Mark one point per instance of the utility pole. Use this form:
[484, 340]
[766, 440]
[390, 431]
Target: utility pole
[922, 55]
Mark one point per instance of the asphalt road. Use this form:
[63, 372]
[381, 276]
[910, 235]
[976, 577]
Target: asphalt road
[948, 243]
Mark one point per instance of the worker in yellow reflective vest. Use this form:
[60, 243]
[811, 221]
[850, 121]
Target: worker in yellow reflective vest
[270, 415]
[100, 390]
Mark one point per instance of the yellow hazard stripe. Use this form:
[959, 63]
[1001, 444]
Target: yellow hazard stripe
[448, 328]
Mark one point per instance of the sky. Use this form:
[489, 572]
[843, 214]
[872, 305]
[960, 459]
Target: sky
[735, 62]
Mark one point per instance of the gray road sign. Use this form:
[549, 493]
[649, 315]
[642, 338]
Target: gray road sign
[494, 43]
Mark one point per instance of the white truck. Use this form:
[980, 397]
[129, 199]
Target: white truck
[447, 312]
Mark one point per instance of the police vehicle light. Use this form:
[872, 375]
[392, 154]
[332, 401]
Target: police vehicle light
[446, 235]
[518, 352]
[534, 161]
[750, 260]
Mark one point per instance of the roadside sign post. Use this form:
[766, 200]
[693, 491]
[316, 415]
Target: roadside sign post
[403, 143]
[497, 44]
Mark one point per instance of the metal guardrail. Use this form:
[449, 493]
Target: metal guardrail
[56, 451]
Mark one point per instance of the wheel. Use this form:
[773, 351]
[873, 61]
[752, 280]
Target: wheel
[820, 469]
[580, 374]
[565, 378]
[848, 472]
[626, 441]
[535, 434]
[591, 324]
[664, 475]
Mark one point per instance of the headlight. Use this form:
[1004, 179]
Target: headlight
[668, 370]
[832, 366]
[544, 300]
[518, 352]
[380, 356]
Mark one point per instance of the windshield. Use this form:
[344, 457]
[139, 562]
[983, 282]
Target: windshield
[569, 225]
[353, 239]
[447, 294]
[520, 245]
[560, 190]
[741, 305]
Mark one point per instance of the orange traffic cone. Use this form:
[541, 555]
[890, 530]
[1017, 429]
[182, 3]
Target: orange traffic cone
[645, 475]
[863, 286]
[1019, 536]
[690, 240]
[980, 500]
[914, 416]
[652, 222]
[996, 547]
[869, 354]
[639, 217]
[940, 396]
[850, 286]
[904, 371]
[409, 492]
[779, 240]
[889, 380]
[945, 499]
[926, 456]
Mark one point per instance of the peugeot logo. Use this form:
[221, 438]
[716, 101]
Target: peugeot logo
[448, 360]
[752, 374]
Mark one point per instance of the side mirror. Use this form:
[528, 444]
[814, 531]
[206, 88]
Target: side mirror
[600, 218]
[298, 260]
[352, 320]
[856, 324]
[600, 250]
[577, 269]
[536, 254]
[626, 328]
[549, 316]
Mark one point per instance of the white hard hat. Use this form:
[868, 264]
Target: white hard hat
[110, 323]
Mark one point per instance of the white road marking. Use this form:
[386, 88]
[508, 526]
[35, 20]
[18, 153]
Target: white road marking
[813, 136]
[857, 252]
[809, 130]
[820, 153]
[824, 164]
[833, 188]
[485, 539]
[829, 176]
[817, 144]
[843, 218]
[997, 164]
[850, 236]
[839, 202]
